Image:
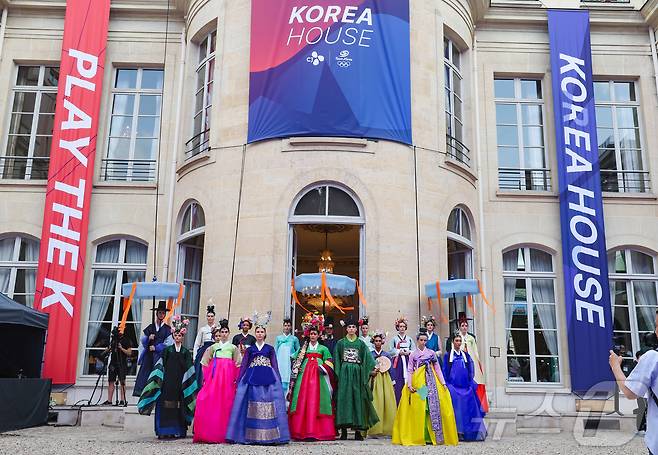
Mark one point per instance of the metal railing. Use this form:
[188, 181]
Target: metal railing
[534, 179]
[117, 170]
[605, 1]
[198, 144]
[456, 150]
[625, 181]
[24, 168]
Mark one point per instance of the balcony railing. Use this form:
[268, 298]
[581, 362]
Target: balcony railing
[116, 170]
[514, 179]
[625, 181]
[24, 168]
[456, 150]
[198, 144]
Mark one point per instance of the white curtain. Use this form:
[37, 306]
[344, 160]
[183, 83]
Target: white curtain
[104, 285]
[543, 293]
[631, 160]
[6, 255]
[31, 255]
[645, 304]
[136, 307]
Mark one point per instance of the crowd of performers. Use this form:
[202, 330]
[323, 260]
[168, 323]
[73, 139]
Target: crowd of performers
[247, 391]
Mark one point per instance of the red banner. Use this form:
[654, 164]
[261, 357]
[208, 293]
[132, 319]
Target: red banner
[60, 275]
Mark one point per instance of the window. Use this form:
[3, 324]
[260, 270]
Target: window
[530, 316]
[618, 132]
[205, 71]
[520, 135]
[19, 257]
[327, 200]
[190, 265]
[115, 262]
[454, 108]
[134, 125]
[633, 284]
[460, 262]
[31, 128]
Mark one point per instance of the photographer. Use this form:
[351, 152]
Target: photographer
[119, 349]
[643, 381]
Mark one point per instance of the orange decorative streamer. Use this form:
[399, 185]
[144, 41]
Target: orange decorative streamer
[127, 302]
[442, 317]
[171, 306]
[362, 299]
[429, 304]
[294, 295]
[469, 300]
[484, 297]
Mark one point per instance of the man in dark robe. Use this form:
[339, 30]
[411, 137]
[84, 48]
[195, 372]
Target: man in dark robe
[157, 336]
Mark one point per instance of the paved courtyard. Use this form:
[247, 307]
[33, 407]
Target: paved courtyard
[105, 440]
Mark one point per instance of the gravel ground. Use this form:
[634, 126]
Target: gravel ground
[105, 440]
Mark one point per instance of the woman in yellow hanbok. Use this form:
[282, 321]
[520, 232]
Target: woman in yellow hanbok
[425, 414]
[383, 393]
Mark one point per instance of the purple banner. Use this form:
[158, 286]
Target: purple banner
[587, 295]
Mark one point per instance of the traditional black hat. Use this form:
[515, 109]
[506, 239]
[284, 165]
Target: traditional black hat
[210, 309]
[329, 321]
[162, 306]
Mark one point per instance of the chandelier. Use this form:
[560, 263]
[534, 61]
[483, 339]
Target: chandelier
[325, 264]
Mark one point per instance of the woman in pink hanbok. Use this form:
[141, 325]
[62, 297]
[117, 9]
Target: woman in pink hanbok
[215, 400]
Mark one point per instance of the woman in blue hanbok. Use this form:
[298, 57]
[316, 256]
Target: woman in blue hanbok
[458, 370]
[286, 344]
[259, 410]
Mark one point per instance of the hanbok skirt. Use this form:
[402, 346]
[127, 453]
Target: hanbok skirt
[197, 362]
[413, 425]
[398, 371]
[306, 421]
[169, 421]
[214, 401]
[468, 413]
[259, 415]
[383, 400]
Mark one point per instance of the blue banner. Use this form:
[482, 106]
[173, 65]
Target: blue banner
[584, 262]
[330, 68]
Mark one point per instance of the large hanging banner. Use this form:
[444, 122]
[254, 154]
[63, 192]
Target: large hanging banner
[587, 295]
[330, 68]
[70, 176]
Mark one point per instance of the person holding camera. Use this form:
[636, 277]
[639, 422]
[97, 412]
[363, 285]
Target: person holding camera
[119, 351]
[642, 382]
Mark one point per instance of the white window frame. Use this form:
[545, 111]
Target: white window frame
[541, 174]
[468, 245]
[629, 278]
[127, 173]
[118, 268]
[15, 264]
[205, 65]
[458, 149]
[614, 104]
[187, 233]
[39, 89]
[528, 276]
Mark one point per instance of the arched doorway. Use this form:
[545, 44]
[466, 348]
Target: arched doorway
[326, 231]
[460, 263]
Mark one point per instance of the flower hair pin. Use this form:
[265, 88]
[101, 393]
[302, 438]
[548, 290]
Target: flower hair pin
[312, 321]
[179, 325]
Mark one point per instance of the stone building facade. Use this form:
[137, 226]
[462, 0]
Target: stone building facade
[180, 195]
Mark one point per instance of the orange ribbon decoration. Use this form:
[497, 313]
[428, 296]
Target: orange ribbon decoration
[469, 301]
[362, 299]
[438, 297]
[484, 297]
[429, 305]
[294, 295]
[171, 306]
[127, 302]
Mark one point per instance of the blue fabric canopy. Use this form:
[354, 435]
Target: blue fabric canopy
[339, 285]
[449, 288]
[153, 289]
